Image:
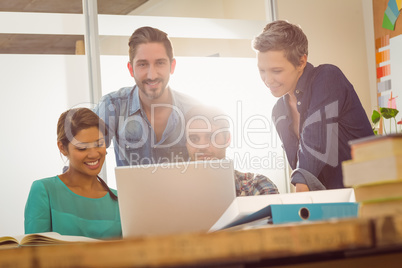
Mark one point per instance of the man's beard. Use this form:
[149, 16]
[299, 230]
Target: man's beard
[153, 95]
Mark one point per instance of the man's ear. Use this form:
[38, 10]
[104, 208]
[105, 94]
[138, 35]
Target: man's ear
[228, 139]
[303, 62]
[130, 69]
[61, 148]
[172, 66]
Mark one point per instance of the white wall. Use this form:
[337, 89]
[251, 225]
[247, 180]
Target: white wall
[190, 47]
[35, 90]
[223, 9]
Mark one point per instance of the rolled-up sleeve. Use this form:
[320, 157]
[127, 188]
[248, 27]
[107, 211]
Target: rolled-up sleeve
[107, 111]
[303, 176]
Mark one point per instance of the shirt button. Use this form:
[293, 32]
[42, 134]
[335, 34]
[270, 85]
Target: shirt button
[297, 91]
[298, 103]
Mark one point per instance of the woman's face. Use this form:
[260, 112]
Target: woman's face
[87, 151]
[279, 74]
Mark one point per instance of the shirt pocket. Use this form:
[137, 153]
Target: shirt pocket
[134, 133]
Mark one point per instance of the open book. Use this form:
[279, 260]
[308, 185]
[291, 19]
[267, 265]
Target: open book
[50, 238]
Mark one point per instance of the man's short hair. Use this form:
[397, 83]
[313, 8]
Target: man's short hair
[211, 114]
[148, 34]
[282, 35]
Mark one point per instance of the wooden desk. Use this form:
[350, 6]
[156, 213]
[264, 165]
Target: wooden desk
[350, 243]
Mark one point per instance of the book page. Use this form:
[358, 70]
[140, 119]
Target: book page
[53, 238]
[8, 242]
[47, 238]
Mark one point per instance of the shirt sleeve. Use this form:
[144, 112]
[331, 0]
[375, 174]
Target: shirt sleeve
[263, 185]
[106, 110]
[303, 176]
[319, 135]
[37, 210]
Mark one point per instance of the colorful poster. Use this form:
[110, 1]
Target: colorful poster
[391, 14]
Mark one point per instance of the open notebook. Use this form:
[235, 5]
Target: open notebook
[173, 198]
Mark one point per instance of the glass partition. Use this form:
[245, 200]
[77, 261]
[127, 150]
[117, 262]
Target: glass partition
[215, 63]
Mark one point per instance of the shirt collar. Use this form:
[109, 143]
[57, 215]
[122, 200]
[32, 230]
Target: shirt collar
[135, 106]
[135, 103]
[303, 80]
[300, 86]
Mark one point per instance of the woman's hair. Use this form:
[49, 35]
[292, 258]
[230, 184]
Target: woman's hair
[112, 195]
[145, 35]
[73, 121]
[282, 35]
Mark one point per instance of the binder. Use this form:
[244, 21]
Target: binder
[287, 213]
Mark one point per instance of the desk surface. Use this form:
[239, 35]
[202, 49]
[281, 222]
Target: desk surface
[247, 247]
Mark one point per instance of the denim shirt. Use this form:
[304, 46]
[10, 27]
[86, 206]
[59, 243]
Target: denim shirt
[330, 116]
[133, 137]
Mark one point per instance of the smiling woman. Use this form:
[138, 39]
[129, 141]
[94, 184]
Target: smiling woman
[77, 202]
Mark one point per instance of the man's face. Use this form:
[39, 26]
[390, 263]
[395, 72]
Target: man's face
[151, 69]
[279, 74]
[206, 141]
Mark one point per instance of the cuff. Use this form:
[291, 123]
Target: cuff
[303, 176]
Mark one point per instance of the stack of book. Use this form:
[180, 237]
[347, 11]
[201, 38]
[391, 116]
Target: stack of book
[375, 173]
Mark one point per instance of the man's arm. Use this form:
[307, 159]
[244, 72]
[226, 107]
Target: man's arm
[302, 187]
[264, 185]
[106, 110]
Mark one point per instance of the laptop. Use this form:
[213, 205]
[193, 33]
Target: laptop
[171, 198]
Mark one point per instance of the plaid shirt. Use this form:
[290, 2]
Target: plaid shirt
[253, 184]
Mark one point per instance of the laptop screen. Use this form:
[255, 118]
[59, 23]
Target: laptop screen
[174, 198]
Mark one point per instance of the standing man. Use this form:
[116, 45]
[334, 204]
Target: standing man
[208, 136]
[146, 122]
[318, 111]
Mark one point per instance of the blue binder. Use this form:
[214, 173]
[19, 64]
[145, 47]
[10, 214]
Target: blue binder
[286, 213]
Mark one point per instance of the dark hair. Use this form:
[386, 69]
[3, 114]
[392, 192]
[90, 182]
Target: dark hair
[73, 121]
[282, 35]
[213, 115]
[106, 187]
[148, 34]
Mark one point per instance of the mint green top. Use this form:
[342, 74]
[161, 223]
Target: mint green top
[53, 207]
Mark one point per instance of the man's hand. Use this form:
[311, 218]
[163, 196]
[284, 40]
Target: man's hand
[302, 187]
